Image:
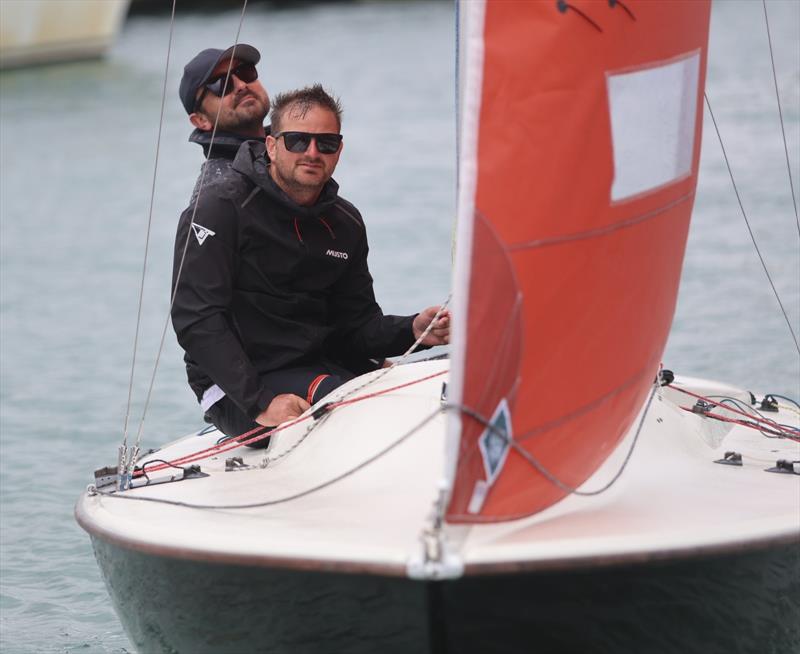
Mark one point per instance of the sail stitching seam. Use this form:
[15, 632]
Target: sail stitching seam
[600, 231]
[587, 408]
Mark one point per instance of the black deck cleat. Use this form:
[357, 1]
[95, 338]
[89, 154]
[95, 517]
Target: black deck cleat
[193, 471]
[769, 403]
[782, 466]
[731, 459]
[702, 407]
[235, 463]
[321, 410]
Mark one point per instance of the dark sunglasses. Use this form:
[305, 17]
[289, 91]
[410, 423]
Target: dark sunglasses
[222, 85]
[299, 141]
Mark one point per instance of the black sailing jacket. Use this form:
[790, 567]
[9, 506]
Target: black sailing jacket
[219, 157]
[267, 284]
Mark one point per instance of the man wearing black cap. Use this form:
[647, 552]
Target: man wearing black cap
[238, 107]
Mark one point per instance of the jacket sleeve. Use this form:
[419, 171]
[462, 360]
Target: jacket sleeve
[361, 326]
[203, 278]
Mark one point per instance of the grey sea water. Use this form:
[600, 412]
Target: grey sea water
[77, 152]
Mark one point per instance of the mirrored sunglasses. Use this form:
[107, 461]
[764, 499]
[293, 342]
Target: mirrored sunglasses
[222, 84]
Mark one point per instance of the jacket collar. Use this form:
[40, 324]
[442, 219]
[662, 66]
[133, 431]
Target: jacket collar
[251, 161]
[226, 144]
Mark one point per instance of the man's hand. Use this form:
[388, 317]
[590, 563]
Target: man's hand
[440, 333]
[282, 408]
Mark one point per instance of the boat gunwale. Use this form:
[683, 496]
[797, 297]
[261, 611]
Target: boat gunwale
[189, 554]
[474, 569]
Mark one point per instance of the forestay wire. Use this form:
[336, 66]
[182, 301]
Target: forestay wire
[186, 242]
[147, 234]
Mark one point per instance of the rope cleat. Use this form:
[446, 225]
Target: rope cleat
[702, 407]
[731, 459]
[785, 467]
[769, 403]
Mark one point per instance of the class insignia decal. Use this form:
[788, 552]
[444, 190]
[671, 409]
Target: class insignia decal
[201, 233]
[494, 444]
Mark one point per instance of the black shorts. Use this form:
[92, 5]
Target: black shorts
[312, 383]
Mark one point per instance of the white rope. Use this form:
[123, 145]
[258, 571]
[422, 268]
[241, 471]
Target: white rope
[402, 358]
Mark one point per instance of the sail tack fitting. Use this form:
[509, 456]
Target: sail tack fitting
[436, 558]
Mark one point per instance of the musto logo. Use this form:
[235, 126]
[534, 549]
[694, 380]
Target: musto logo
[338, 255]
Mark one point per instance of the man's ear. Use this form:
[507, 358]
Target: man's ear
[201, 121]
[272, 145]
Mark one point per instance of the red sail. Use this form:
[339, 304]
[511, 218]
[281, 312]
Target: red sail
[580, 148]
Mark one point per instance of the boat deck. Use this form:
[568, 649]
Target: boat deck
[356, 493]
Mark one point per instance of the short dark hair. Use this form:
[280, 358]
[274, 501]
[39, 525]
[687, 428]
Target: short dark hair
[303, 99]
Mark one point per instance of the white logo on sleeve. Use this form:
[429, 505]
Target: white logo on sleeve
[338, 255]
[201, 233]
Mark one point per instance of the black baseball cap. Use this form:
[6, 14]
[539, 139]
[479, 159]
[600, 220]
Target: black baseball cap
[199, 69]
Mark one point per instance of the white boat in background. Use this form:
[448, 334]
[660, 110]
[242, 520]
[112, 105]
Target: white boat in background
[561, 492]
[52, 31]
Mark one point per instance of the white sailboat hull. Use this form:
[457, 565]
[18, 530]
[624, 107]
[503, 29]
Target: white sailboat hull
[46, 31]
[672, 509]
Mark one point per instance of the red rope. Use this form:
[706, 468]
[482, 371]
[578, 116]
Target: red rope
[312, 387]
[232, 444]
[243, 439]
[760, 420]
[777, 431]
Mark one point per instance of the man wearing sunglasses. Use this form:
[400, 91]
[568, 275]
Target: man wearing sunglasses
[222, 87]
[274, 291]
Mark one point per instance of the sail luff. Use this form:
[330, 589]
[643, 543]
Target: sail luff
[471, 61]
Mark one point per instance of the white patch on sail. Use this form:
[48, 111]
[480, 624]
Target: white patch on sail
[653, 116]
[494, 444]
